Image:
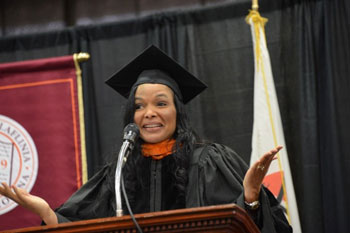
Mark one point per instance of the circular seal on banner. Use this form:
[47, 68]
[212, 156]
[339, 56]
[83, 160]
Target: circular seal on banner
[18, 159]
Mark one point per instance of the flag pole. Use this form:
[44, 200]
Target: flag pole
[81, 57]
[255, 5]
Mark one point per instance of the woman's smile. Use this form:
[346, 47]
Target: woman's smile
[155, 112]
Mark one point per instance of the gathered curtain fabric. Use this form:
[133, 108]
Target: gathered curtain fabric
[309, 46]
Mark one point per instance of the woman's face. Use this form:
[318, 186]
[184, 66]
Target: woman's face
[155, 112]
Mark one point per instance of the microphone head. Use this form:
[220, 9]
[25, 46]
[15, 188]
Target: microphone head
[131, 132]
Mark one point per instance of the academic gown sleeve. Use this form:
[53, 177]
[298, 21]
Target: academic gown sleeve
[216, 176]
[95, 199]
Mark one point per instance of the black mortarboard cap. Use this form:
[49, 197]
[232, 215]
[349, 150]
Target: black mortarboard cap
[154, 66]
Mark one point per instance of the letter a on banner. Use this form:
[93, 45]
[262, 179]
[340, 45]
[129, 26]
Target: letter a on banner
[267, 126]
[42, 143]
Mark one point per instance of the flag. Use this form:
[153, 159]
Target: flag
[267, 126]
[41, 134]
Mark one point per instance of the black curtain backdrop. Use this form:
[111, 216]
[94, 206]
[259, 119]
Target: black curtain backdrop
[309, 45]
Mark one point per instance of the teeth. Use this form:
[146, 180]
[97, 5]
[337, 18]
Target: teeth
[152, 126]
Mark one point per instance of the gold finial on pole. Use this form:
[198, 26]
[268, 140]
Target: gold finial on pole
[82, 56]
[255, 5]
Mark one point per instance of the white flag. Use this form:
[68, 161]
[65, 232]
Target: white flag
[267, 127]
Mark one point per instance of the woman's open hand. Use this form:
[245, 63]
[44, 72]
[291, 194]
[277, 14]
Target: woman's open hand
[256, 173]
[33, 203]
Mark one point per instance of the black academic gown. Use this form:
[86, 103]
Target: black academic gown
[215, 176]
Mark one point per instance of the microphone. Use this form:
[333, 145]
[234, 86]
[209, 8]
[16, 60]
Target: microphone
[131, 133]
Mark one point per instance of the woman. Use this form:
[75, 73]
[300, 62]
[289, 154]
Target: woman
[170, 168]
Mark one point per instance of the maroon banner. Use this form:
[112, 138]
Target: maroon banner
[40, 146]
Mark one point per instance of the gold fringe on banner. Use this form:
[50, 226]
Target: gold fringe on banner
[81, 57]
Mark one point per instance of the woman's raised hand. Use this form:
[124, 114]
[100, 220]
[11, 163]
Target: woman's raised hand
[255, 175]
[33, 203]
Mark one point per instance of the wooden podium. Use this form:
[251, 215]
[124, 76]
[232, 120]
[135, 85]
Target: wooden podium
[220, 218]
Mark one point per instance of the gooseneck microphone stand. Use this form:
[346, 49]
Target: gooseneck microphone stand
[131, 132]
